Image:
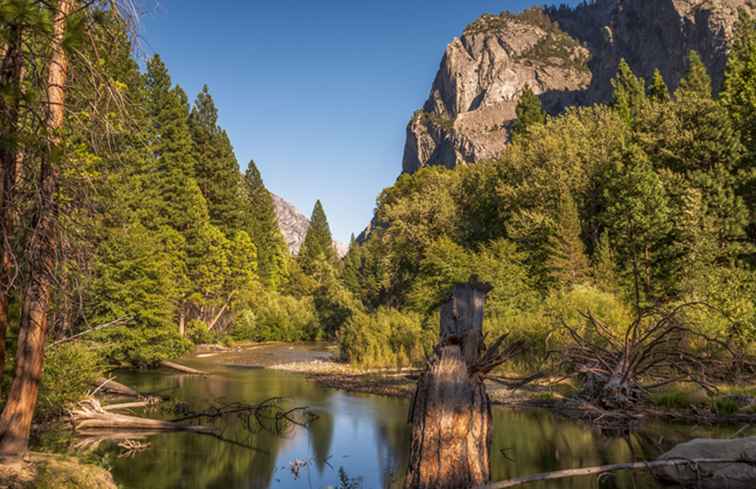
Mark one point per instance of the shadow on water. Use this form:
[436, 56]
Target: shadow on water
[367, 436]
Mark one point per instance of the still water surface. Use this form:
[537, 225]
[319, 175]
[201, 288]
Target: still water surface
[365, 435]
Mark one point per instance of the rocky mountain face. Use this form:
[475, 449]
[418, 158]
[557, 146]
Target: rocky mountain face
[294, 225]
[567, 56]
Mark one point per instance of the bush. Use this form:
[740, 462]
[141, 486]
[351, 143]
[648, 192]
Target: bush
[275, 317]
[198, 332]
[141, 347]
[386, 338]
[70, 371]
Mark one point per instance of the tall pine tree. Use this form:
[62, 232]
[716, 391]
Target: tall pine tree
[529, 111]
[216, 169]
[567, 262]
[318, 243]
[261, 224]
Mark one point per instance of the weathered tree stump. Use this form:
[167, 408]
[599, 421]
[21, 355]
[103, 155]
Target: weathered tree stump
[451, 414]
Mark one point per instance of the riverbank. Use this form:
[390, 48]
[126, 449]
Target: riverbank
[321, 365]
[47, 471]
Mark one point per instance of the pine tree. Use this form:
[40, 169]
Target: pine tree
[262, 226]
[216, 170]
[739, 98]
[696, 81]
[658, 89]
[174, 193]
[629, 92]
[318, 243]
[567, 262]
[350, 273]
[529, 111]
[604, 265]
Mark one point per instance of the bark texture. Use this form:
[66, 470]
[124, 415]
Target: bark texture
[451, 414]
[16, 418]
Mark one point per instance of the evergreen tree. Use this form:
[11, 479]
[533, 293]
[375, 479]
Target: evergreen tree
[629, 92]
[262, 226]
[318, 243]
[173, 190]
[658, 89]
[739, 98]
[567, 262]
[604, 265]
[216, 170]
[696, 81]
[529, 111]
[352, 262]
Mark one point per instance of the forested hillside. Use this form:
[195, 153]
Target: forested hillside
[633, 219]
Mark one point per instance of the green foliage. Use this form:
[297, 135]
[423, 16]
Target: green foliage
[262, 225]
[658, 89]
[567, 262]
[137, 277]
[275, 317]
[386, 338]
[216, 169]
[71, 369]
[141, 347]
[629, 92]
[198, 333]
[529, 111]
[318, 242]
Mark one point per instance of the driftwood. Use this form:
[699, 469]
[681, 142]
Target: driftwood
[112, 387]
[131, 405]
[451, 413]
[603, 469]
[89, 415]
[182, 368]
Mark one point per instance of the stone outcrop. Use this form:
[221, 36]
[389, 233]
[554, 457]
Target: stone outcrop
[566, 56]
[294, 225]
[721, 476]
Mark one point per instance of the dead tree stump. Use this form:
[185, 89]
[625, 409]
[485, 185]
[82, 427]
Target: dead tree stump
[451, 413]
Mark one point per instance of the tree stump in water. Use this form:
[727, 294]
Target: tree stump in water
[451, 413]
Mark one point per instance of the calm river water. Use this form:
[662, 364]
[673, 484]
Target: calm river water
[365, 435]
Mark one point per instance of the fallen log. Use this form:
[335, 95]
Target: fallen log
[131, 405]
[182, 368]
[602, 469]
[112, 387]
[89, 415]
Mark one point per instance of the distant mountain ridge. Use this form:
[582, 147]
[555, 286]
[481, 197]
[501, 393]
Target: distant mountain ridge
[294, 225]
[567, 56]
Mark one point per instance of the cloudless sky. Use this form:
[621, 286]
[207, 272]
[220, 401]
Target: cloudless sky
[318, 93]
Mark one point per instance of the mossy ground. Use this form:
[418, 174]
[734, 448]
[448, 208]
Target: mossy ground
[47, 471]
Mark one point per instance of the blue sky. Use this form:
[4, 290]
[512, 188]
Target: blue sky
[318, 93]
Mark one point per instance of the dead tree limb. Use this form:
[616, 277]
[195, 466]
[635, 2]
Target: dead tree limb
[603, 469]
[181, 368]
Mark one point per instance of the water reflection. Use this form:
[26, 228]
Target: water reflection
[366, 435]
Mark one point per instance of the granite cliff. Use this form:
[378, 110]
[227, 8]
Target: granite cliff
[567, 56]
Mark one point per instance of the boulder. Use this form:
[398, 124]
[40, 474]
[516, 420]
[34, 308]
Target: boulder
[719, 476]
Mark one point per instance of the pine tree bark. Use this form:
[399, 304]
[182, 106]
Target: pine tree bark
[10, 77]
[16, 418]
[451, 413]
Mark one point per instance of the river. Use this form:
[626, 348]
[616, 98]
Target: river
[365, 436]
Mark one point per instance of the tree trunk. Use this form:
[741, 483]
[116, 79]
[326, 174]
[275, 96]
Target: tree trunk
[10, 77]
[16, 418]
[451, 414]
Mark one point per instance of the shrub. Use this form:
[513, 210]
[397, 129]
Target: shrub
[198, 332]
[70, 371]
[275, 317]
[385, 338]
[141, 347]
